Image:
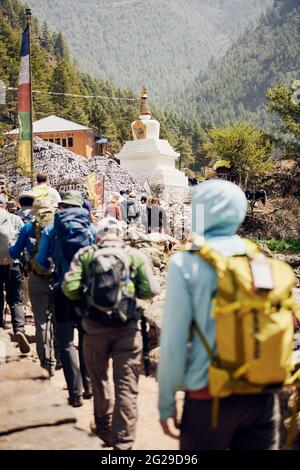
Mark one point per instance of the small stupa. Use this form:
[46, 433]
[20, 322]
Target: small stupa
[151, 160]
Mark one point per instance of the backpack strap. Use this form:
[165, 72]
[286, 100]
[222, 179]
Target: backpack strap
[211, 256]
[214, 357]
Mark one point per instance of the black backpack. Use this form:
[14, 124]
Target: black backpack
[110, 291]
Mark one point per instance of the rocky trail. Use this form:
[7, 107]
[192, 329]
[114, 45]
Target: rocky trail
[36, 414]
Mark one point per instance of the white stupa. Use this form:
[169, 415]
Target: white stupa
[151, 160]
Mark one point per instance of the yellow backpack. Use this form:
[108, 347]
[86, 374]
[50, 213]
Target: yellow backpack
[254, 327]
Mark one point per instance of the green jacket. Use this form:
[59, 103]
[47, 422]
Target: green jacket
[146, 285]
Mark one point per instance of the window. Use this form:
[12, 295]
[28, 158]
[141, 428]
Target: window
[64, 142]
[57, 141]
[70, 141]
[51, 140]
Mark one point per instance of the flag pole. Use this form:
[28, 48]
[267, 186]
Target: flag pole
[28, 20]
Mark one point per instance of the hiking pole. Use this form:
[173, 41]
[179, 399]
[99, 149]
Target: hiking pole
[145, 345]
[6, 309]
[49, 329]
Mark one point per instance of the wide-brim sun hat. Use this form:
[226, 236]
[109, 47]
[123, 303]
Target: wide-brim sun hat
[25, 195]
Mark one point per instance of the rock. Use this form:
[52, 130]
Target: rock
[8, 352]
[66, 170]
[292, 260]
[63, 437]
[31, 403]
[21, 371]
[154, 314]
[154, 360]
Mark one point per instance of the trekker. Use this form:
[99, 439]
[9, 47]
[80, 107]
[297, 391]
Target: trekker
[11, 207]
[38, 284]
[25, 201]
[113, 208]
[144, 213]
[245, 421]
[123, 201]
[71, 231]
[122, 195]
[43, 190]
[133, 212]
[157, 218]
[11, 276]
[112, 276]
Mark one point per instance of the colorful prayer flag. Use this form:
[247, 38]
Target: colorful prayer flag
[24, 163]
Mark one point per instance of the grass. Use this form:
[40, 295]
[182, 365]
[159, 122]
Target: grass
[283, 245]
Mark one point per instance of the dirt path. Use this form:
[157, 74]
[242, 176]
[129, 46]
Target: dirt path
[149, 434]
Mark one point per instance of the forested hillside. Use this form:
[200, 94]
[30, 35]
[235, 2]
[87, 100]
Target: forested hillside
[53, 71]
[235, 87]
[162, 43]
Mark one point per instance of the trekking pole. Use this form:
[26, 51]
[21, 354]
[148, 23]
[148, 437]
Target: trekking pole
[49, 327]
[6, 310]
[6, 306]
[146, 359]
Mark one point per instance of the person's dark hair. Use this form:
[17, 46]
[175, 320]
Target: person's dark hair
[144, 199]
[26, 201]
[42, 177]
[128, 191]
[122, 192]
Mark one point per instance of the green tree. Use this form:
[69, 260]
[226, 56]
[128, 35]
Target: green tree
[249, 150]
[186, 153]
[61, 48]
[284, 102]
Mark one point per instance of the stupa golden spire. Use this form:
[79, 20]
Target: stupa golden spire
[145, 108]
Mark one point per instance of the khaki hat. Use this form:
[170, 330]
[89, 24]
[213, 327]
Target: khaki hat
[42, 205]
[72, 198]
[115, 198]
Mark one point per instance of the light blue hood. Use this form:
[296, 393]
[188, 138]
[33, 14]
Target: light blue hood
[219, 208]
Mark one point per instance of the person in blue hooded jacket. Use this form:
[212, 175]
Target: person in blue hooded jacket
[60, 241]
[245, 421]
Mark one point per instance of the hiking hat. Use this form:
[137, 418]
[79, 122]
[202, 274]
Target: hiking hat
[109, 225]
[27, 195]
[115, 198]
[72, 198]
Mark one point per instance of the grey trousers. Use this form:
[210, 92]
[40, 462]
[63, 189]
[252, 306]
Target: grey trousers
[246, 422]
[115, 423]
[39, 298]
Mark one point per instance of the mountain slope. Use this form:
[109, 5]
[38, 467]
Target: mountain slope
[235, 88]
[52, 71]
[161, 43]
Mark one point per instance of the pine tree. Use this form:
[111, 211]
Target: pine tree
[61, 48]
[46, 38]
[284, 102]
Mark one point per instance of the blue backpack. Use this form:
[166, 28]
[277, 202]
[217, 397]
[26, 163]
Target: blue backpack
[72, 231]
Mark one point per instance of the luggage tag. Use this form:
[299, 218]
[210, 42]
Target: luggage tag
[262, 274]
